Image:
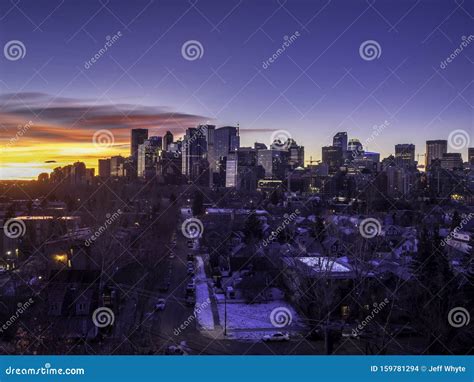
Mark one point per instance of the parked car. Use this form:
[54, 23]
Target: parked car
[276, 337]
[160, 304]
[350, 332]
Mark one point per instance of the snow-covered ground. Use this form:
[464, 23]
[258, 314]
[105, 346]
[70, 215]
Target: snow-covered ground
[244, 321]
[252, 322]
[202, 308]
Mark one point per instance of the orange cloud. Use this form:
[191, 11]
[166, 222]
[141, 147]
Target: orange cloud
[37, 128]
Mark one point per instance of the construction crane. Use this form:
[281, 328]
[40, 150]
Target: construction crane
[311, 161]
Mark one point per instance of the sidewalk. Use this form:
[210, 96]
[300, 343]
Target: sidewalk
[207, 313]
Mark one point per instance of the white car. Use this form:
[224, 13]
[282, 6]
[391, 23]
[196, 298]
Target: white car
[277, 337]
[349, 332]
[160, 304]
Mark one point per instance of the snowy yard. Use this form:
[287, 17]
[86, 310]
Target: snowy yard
[252, 322]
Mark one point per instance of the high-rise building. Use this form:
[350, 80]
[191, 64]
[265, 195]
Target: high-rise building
[167, 140]
[104, 168]
[451, 161]
[147, 157]
[78, 173]
[89, 178]
[168, 167]
[355, 147]
[274, 162]
[400, 181]
[117, 166]
[194, 151]
[340, 140]
[247, 156]
[138, 137]
[296, 155]
[332, 156]
[231, 178]
[248, 172]
[367, 160]
[435, 150]
[239, 169]
[226, 140]
[156, 141]
[470, 156]
[242, 171]
[405, 155]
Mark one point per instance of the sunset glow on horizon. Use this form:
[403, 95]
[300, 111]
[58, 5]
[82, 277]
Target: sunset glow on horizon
[316, 86]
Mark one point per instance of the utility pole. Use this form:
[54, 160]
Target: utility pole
[225, 311]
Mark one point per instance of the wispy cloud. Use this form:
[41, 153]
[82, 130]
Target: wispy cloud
[60, 130]
[76, 120]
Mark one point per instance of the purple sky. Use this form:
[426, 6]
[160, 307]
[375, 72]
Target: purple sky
[317, 86]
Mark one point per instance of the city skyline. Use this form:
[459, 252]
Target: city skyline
[109, 148]
[238, 178]
[302, 70]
